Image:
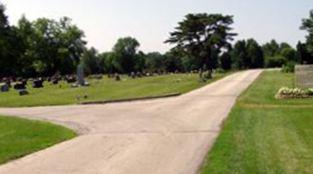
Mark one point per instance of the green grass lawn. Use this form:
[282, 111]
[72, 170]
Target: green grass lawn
[19, 137]
[265, 135]
[106, 89]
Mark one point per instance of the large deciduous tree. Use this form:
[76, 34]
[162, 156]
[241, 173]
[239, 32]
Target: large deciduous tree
[255, 54]
[92, 62]
[125, 54]
[203, 36]
[303, 55]
[239, 55]
[57, 46]
[6, 61]
[307, 24]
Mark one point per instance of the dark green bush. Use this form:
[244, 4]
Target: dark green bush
[289, 67]
[275, 62]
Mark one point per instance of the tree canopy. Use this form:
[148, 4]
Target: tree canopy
[203, 36]
[201, 41]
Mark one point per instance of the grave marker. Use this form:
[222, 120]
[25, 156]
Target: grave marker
[304, 76]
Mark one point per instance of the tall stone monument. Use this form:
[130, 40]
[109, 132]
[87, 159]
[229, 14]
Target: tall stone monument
[80, 75]
[304, 76]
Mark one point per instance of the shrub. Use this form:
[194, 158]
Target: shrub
[275, 62]
[289, 67]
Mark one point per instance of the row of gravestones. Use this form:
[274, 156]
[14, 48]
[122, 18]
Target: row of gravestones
[20, 84]
[135, 75]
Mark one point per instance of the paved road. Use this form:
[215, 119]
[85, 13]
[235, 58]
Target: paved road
[164, 136]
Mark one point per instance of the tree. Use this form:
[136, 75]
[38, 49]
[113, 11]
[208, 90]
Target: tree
[56, 46]
[225, 61]
[155, 62]
[271, 49]
[255, 54]
[91, 61]
[239, 55]
[125, 54]
[289, 54]
[108, 62]
[173, 61]
[303, 55]
[6, 61]
[203, 36]
[307, 24]
[140, 61]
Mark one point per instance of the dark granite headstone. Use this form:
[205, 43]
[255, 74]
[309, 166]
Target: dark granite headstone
[117, 77]
[304, 76]
[38, 83]
[19, 86]
[4, 87]
[55, 81]
[23, 92]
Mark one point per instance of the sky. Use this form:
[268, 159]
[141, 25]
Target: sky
[151, 21]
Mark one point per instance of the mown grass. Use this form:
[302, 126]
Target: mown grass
[105, 89]
[265, 135]
[19, 137]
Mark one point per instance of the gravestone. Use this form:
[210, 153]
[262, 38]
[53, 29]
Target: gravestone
[304, 76]
[19, 86]
[132, 75]
[117, 77]
[38, 83]
[80, 76]
[55, 81]
[70, 79]
[4, 88]
[23, 92]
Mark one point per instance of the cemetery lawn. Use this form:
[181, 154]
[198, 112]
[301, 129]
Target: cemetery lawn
[19, 137]
[105, 89]
[265, 135]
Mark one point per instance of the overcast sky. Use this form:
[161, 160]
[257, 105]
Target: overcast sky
[150, 21]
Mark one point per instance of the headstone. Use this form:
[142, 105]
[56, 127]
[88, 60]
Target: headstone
[23, 92]
[23, 81]
[139, 74]
[117, 77]
[70, 79]
[38, 83]
[4, 87]
[132, 75]
[80, 75]
[19, 86]
[304, 76]
[55, 81]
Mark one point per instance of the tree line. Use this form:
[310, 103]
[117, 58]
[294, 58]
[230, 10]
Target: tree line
[45, 47]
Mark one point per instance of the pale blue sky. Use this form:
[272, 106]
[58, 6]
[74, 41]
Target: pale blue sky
[150, 21]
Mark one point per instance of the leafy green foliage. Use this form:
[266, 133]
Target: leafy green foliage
[92, 62]
[203, 36]
[307, 24]
[247, 54]
[125, 54]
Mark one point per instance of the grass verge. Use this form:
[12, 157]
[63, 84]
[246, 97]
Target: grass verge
[105, 89]
[265, 135]
[20, 137]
